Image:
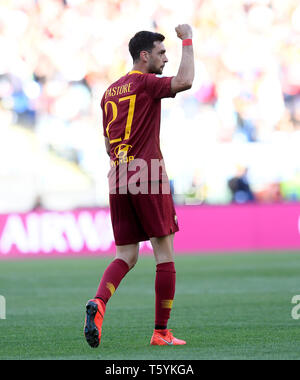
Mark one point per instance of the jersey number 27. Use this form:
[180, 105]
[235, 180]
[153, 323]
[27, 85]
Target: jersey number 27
[114, 106]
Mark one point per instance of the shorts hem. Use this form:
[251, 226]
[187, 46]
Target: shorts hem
[138, 240]
[133, 241]
[164, 234]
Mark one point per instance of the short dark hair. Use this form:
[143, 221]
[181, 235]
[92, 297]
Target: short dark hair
[143, 41]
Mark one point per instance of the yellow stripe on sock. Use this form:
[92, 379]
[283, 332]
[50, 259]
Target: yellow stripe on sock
[167, 304]
[110, 287]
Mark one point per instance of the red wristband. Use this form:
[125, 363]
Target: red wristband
[187, 42]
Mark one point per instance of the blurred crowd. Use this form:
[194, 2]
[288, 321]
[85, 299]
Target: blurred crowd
[243, 112]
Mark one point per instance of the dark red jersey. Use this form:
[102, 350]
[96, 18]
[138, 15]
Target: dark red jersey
[131, 119]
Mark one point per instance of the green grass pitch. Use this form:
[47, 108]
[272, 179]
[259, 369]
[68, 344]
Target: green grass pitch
[226, 307]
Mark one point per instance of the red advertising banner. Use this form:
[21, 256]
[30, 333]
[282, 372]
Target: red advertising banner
[203, 229]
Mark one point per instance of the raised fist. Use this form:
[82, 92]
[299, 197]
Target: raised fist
[184, 31]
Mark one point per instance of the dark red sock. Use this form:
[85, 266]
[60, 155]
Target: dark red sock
[111, 279]
[164, 293]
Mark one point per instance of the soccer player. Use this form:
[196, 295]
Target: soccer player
[131, 119]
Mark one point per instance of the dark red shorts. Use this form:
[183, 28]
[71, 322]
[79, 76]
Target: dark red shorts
[139, 217]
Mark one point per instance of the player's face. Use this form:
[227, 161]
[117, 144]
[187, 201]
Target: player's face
[157, 58]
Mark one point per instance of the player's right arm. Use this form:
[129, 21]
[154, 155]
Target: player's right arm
[186, 72]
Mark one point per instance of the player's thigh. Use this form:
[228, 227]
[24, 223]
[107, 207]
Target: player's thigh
[128, 253]
[163, 248]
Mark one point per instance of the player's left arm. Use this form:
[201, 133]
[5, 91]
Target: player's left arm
[106, 139]
[107, 145]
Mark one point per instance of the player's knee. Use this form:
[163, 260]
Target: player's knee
[129, 254]
[132, 262]
[164, 256]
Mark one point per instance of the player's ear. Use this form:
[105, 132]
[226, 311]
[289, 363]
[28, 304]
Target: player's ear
[144, 56]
